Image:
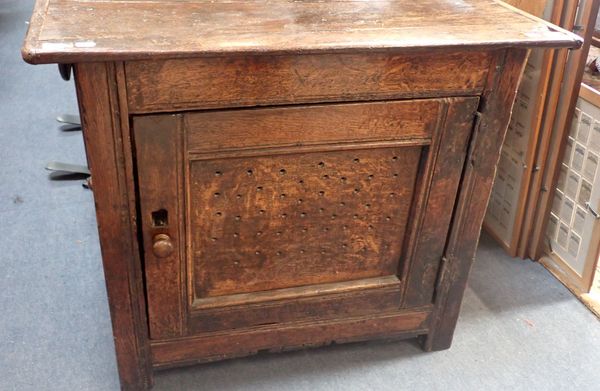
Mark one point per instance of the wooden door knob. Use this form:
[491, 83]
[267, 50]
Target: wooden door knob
[162, 245]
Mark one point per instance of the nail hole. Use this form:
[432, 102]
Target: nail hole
[325, 176]
[344, 245]
[235, 234]
[321, 193]
[370, 227]
[392, 194]
[395, 175]
[325, 229]
[249, 172]
[357, 160]
[238, 218]
[238, 196]
[282, 171]
[321, 165]
[367, 206]
[355, 217]
[217, 194]
[344, 227]
[213, 239]
[356, 191]
[278, 253]
[388, 218]
[300, 201]
[395, 158]
[262, 211]
[342, 204]
[282, 196]
[333, 217]
[370, 177]
[259, 188]
[278, 233]
[300, 181]
[321, 210]
[343, 179]
[218, 173]
[304, 229]
[257, 252]
[259, 233]
[303, 214]
[219, 214]
[283, 215]
[302, 251]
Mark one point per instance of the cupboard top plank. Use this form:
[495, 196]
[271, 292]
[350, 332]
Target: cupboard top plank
[96, 30]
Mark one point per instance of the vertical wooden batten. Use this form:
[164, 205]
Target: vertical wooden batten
[105, 129]
[497, 102]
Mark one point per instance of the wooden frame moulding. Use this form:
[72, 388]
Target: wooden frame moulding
[557, 127]
[537, 114]
[579, 285]
[484, 151]
[559, 62]
[103, 109]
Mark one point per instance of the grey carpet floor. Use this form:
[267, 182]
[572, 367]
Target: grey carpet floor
[519, 328]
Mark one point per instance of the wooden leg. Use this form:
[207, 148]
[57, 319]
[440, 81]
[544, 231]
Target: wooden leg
[105, 127]
[495, 108]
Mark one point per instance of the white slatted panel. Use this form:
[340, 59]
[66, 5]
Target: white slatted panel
[571, 221]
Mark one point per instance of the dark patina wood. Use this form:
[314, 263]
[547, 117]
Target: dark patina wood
[264, 80]
[97, 30]
[277, 175]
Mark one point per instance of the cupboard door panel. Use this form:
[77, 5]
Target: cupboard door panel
[264, 223]
[265, 233]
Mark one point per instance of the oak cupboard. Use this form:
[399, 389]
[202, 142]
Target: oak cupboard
[276, 175]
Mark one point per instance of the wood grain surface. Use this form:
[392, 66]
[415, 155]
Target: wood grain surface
[478, 176]
[311, 125]
[219, 346]
[264, 223]
[215, 82]
[106, 139]
[97, 30]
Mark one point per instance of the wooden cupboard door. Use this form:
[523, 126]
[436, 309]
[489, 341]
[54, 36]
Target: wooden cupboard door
[263, 217]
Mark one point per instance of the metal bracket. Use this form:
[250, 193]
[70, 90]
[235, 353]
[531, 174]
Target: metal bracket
[65, 71]
[67, 168]
[478, 120]
[66, 171]
[592, 211]
[69, 119]
[440, 277]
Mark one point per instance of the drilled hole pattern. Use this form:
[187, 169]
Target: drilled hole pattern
[264, 223]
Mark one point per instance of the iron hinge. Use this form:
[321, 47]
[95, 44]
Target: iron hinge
[471, 144]
[440, 279]
[478, 120]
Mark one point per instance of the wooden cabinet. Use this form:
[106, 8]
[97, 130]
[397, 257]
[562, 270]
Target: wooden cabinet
[319, 175]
